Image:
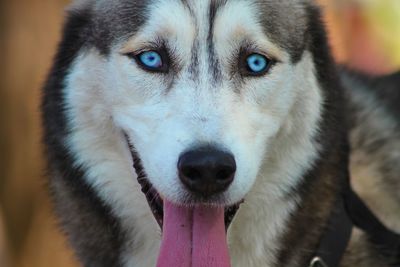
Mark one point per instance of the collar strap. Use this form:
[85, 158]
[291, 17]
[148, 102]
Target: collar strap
[335, 239]
[385, 240]
[350, 211]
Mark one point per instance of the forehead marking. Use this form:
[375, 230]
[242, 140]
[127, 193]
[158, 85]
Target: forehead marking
[194, 60]
[213, 60]
[204, 41]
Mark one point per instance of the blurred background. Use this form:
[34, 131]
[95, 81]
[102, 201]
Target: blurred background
[364, 34]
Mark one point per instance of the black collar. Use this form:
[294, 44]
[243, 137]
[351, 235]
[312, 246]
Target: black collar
[350, 211]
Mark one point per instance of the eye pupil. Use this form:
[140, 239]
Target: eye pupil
[151, 60]
[257, 64]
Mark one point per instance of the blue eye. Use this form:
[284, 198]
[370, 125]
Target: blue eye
[151, 60]
[257, 64]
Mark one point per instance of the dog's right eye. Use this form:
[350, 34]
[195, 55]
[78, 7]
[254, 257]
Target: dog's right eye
[152, 61]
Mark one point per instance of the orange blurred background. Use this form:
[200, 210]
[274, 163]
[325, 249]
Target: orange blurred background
[364, 34]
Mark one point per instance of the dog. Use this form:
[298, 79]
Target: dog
[218, 133]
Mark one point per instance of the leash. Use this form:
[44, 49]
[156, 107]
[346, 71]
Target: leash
[350, 211]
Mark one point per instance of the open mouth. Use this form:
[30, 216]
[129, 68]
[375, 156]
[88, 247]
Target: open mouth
[154, 199]
[191, 236]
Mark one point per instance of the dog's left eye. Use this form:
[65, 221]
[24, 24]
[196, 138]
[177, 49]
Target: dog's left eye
[256, 64]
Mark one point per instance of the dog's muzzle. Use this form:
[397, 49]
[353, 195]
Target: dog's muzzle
[204, 171]
[193, 234]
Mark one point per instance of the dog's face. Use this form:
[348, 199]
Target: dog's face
[204, 93]
[176, 76]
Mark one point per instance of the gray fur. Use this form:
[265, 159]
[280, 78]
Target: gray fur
[112, 21]
[285, 22]
[375, 140]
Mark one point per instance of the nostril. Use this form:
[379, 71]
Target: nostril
[224, 174]
[191, 173]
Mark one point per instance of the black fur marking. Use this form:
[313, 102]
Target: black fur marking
[153, 198]
[186, 4]
[91, 227]
[194, 61]
[213, 60]
[194, 64]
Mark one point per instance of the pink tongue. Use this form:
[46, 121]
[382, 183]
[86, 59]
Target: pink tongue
[193, 237]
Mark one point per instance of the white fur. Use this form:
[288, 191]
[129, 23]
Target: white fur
[268, 126]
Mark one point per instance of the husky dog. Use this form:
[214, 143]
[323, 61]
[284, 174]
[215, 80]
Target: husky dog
[215, 133]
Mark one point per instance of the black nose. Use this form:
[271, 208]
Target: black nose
[206, 171]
